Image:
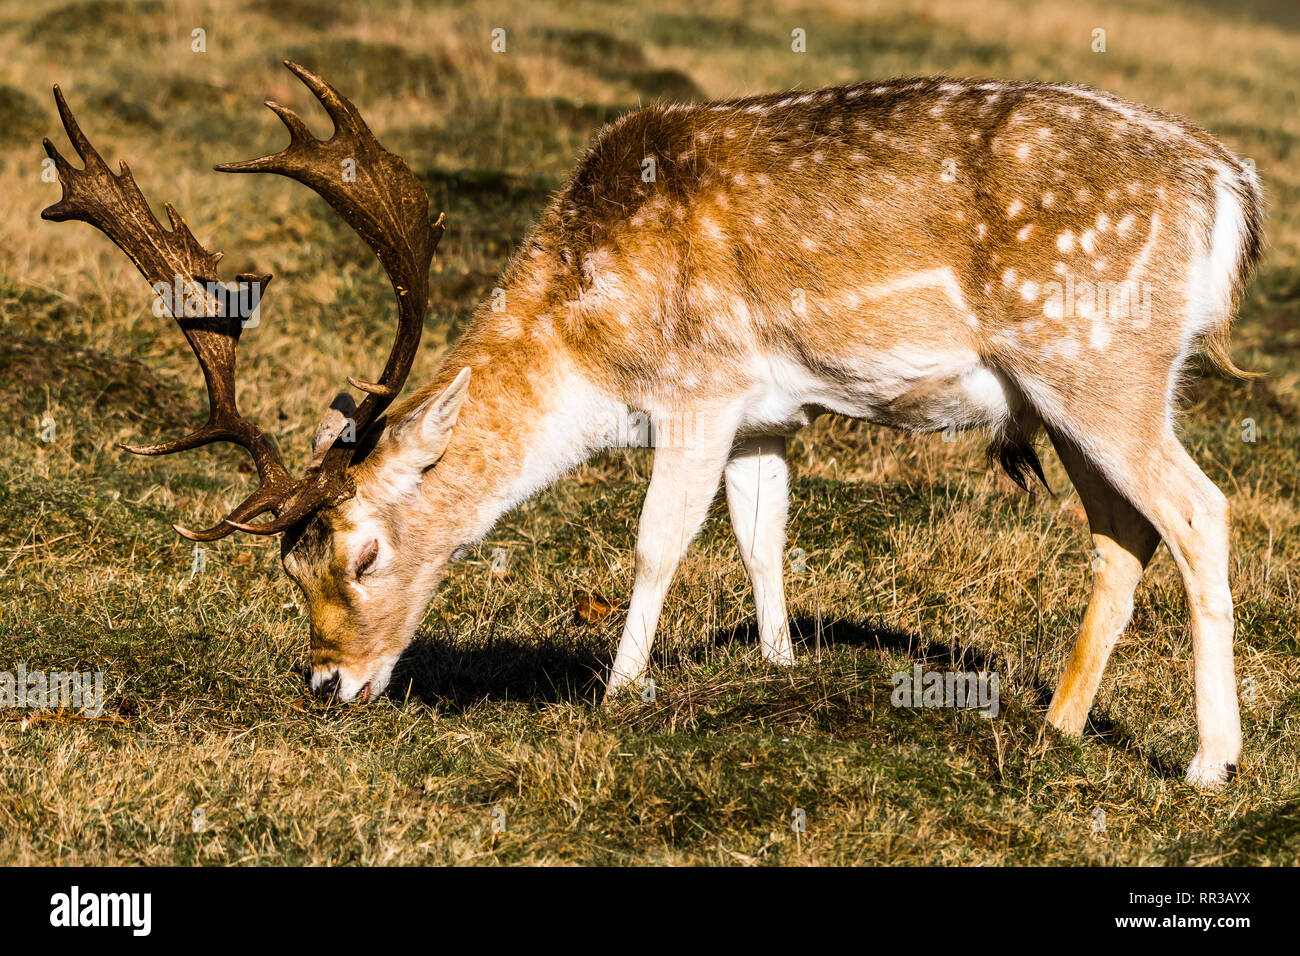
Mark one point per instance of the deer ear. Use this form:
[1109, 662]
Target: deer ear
[422, 436]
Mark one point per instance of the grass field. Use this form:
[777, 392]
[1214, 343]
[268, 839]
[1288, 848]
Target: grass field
[913, 551]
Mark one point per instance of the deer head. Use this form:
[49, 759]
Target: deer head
[364, 604]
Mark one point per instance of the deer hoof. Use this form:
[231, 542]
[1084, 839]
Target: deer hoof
[1205, 774]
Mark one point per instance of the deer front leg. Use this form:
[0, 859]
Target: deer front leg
[687, 470]
[758, 498]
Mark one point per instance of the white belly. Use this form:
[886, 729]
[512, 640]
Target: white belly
[915, 391]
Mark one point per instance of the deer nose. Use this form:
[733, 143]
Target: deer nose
[325, 685]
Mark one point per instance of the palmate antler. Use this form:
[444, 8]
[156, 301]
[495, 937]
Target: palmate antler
[375, 193]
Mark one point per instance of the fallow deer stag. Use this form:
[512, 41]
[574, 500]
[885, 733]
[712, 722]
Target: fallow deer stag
[925, 254]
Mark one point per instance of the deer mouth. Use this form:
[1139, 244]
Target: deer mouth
[363, 694]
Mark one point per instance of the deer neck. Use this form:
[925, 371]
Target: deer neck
[530, 417]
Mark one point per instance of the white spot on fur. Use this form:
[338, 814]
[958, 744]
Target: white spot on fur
[711, 229]
[1100, 337]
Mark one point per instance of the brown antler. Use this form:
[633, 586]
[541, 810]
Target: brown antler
[378, 196]
[373, 190]
[113, 203]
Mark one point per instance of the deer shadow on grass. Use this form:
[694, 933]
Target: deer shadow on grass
[807, 633]
[1119, 735]
[563, 668]
[553, 669]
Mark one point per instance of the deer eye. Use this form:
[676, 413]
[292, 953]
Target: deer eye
[366, 559]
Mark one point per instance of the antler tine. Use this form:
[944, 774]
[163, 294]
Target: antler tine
[175, 260]
[259, 502]
[86, 152]
[206, 435]
[384, 202]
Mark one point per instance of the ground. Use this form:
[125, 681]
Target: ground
[490, 746]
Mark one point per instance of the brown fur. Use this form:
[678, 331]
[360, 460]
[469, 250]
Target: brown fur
[883, 242]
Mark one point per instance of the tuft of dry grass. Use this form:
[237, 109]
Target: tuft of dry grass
[490, 747]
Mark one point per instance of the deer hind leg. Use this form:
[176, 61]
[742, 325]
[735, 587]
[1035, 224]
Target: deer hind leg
[1150, 467]
[758, 499]
[1123, 542]
[683, 482]
[1191, 514]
